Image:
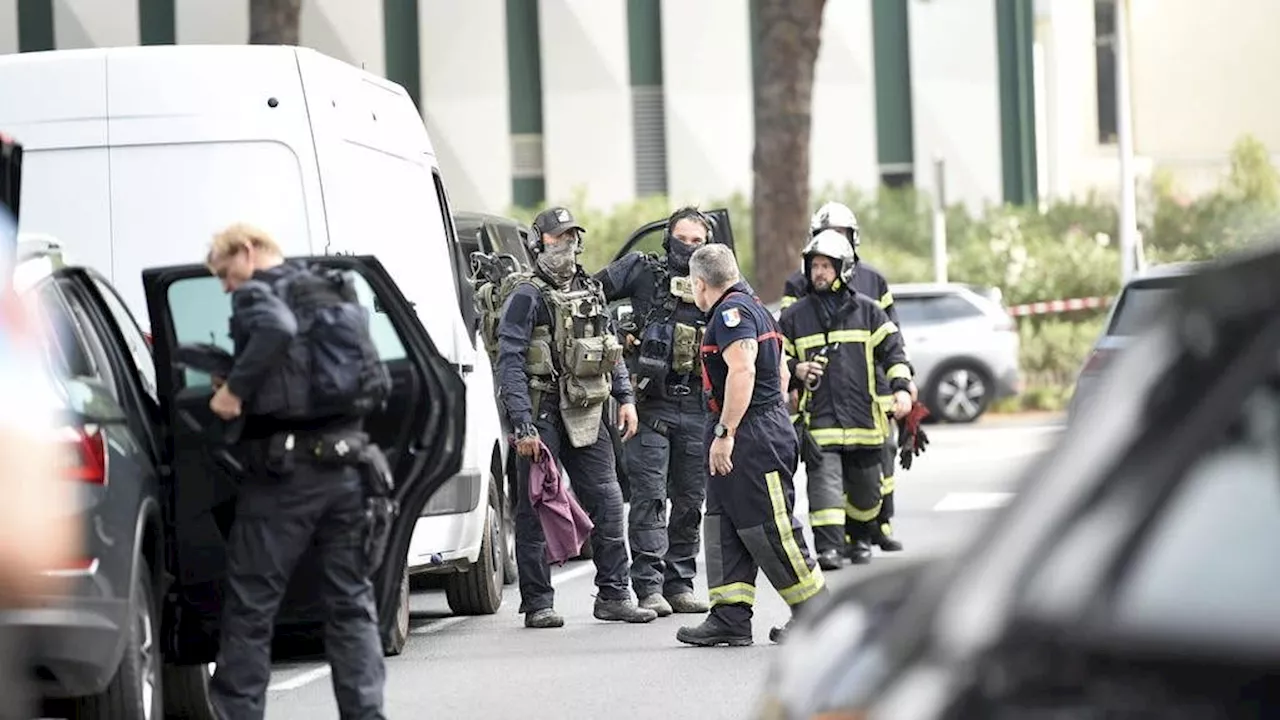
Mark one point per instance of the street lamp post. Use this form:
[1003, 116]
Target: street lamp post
[1124, 139]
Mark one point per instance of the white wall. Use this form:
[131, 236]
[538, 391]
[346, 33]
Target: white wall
[587, 126]
[465, 99]
[346, 30]
[955, 97]
[210, 22]
[843, 141]
[706, 70]
[8, 26]
[94, 23]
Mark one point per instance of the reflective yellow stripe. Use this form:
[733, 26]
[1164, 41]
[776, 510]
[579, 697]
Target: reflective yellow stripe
[809, 582]
[886, 299]
[848, 336]
[886, 402]
[898, 371]
[862, 515]
[808, 342]
[886, 484]
[830, 516]
[787, 301]
[844, 437]
[733, 593]
[788, 347]
[794, 418]
[883, 332]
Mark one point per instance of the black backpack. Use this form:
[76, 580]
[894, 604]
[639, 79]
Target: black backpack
[345, 376]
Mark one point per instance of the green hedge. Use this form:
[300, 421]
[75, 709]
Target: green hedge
[1065, 250]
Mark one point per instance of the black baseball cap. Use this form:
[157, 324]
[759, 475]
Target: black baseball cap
[556, 220]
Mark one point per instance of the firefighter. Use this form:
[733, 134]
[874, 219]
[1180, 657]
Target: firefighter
[836, 339]
[872, 283]
[666, 456]
[558, 362]
[750, 521]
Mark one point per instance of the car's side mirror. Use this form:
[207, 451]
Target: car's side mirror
[91, 402]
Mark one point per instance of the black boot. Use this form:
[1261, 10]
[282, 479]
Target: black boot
[830, 559]
[712, 632]
[859, 552]
[778, 634]
[884, 538]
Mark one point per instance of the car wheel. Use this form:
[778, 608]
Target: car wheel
[510, 571]
[136, 690]
[394, 645]
[960, 393]
[186, 692]
[478, 589]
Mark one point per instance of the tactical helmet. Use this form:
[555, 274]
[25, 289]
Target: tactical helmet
[836, 216]
[833, 244]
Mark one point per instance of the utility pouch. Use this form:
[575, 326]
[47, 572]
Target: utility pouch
[684, 359]
[653, 360]
[591, 356]
[278, 459]
[380, 507]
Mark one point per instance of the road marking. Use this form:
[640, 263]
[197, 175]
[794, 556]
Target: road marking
[958, 501]
[321, 672]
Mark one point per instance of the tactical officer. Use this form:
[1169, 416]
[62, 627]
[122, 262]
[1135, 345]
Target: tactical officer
[872, 283]
[666, 456]
[558, 361]
[835, 340]
[750, 522]
[289, 503]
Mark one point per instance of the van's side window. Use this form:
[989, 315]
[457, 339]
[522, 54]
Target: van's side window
[446, 216]
[201, 312]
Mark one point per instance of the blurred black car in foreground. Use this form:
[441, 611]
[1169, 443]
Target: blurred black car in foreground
[1136, 575]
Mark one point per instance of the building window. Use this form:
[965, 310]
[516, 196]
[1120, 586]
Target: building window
[1104, 31]
[897, 175]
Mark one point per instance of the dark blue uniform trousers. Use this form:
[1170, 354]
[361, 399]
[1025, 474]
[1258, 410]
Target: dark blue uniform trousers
[670, 464]
[751, 523]
[316, 507]
[594, 479]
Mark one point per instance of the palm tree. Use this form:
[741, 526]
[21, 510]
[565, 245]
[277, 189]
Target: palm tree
[789, 34]
[274, 22]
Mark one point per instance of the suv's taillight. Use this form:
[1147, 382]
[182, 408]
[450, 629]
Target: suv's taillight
[86, 454]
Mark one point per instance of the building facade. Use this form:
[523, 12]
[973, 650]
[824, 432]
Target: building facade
[538, 100]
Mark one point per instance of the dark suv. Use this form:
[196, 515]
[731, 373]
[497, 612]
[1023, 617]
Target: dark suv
[136, 633]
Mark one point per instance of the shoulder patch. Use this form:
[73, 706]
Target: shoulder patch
[731, 316]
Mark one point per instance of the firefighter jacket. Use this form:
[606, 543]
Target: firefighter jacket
[855, 337]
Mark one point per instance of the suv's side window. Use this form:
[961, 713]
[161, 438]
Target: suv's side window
[201, 312]
[65, 346]
[139, 350]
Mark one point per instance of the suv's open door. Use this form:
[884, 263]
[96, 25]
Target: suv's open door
[648, 237]
[421, 431]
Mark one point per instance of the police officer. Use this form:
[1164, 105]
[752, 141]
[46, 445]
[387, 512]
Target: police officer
[558, 361]
[872, 283]
[750, 521]
[666, 456]
[835, 339]
[282, 511]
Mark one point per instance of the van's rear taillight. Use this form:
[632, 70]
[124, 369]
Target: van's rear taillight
[86, 454]
[1098, 361]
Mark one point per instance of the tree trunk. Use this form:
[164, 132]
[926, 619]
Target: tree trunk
[789, 36]
[274, 22]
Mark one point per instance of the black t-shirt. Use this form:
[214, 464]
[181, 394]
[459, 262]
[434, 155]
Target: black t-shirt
[737, 316]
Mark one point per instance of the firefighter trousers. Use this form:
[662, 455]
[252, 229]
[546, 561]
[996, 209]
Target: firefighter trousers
[666, 460]
[888, 461]
[751, 525]
[844, 497]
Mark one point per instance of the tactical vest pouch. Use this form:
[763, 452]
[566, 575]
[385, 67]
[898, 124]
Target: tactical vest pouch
[538, 360]
[591, 356]
[682, 287]
[581, 407]
[655, 353]
[684, 357]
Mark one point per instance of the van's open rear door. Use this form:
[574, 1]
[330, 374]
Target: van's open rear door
[420, 429]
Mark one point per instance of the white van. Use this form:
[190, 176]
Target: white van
[136, 156]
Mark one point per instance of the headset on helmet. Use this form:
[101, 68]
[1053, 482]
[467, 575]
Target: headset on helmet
[833, 244]
[836, 216]
[687, 213]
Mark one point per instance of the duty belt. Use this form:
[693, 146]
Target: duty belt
[679, 390]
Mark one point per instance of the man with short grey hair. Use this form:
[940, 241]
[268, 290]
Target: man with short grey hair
[750, 521]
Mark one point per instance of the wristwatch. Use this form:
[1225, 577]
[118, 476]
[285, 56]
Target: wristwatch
[721, 430]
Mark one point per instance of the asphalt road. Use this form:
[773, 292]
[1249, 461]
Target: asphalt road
[492, 668]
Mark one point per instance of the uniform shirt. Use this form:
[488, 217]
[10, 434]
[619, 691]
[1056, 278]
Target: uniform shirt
[524, 309]
[636, 278]
[861, 343]
[737, 316]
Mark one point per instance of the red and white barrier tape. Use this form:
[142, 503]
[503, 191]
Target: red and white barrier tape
[1058, 306]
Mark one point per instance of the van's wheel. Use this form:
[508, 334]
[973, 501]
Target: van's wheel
[478, 590]
[136, 690]
[510, 571]
[959, 393]
[186, 692]
[394, 645]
